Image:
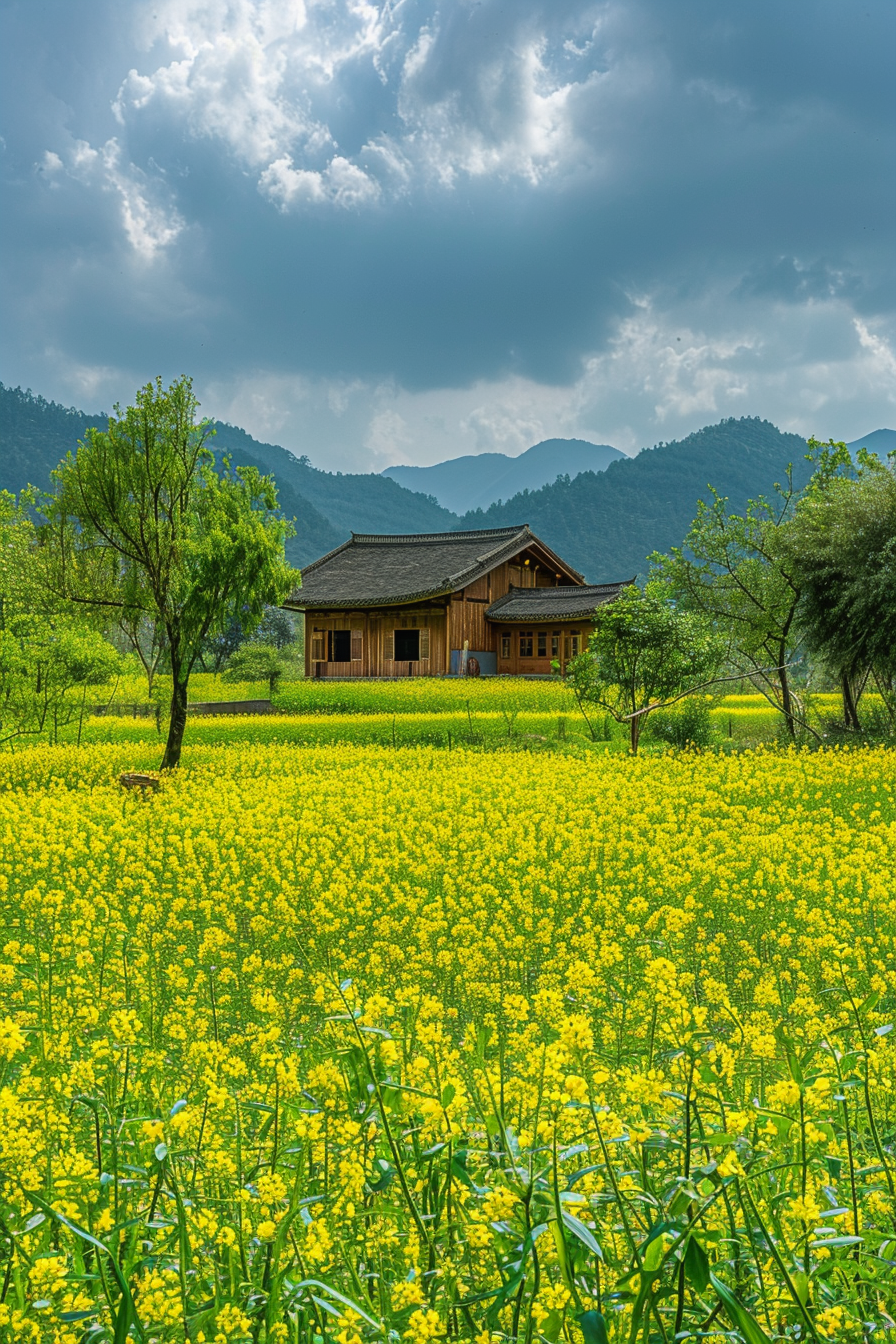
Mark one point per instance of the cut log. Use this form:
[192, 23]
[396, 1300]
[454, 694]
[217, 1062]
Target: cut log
[132, 780]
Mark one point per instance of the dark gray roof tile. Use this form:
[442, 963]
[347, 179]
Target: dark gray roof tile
[370, 570]
[567, 603]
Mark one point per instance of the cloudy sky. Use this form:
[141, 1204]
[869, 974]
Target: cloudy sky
[398, 232]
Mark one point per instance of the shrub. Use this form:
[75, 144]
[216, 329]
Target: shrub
[686, 724]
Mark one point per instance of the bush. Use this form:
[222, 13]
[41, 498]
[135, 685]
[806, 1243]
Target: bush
[686, 724]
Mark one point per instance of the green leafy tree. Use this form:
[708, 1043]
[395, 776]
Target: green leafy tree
[734, 571]
[276, 627]
[48, 660]
[146, 638]
[840, 547]
[644, 654]
[256, 661]
[141, 525]
[221, 646]
[46, 671]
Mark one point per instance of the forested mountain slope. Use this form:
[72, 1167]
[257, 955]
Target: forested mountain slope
[607, 524]
[353, 502]
[36, 434]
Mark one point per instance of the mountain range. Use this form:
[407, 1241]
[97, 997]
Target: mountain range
[478, 480]
[605, 522]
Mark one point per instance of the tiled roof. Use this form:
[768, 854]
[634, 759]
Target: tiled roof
[566, 603]
[371, 571]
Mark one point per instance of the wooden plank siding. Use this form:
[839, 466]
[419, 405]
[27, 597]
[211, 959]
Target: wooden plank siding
[373, 631]
[571, 638]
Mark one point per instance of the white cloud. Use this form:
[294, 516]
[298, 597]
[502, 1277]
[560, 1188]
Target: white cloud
[341, 183]
[148, 217]
[388, 436]
[881, 352]
[265, 78]
[509, 116]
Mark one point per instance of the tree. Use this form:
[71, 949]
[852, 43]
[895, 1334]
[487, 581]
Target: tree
[46, 670]
[48, 660]
[222, 645]
[841, 548]
[258, 662]
[141, 525]
[644, 653]
[146, 637]
[734, 571]
[276, 627]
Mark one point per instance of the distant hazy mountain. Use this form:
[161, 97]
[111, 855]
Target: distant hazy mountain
[880, 441]
[607, 524]
[478, 480]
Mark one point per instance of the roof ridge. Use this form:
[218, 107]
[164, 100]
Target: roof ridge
[366, 537]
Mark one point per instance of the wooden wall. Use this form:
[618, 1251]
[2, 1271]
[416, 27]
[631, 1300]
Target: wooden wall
[372, 632]
[517, 664]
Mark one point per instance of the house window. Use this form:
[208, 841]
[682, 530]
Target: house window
[525, 643]
[407, 646]
[542, 643]
[505, 646]
[575, 646]
[555, 644]
[339, 646]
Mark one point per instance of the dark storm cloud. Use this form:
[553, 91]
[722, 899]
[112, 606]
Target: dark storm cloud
[430, 196]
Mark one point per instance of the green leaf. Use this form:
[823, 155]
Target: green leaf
[796, 1071]
[801, 1283]
[696, 1265]
[346, 1301]
[183, 1236]
[122, 1322]
[448, 1094]
[381, 1183]
[740, 1316]
[593, 1327]
[551, 1326]
[578, 1229]
[654, 1253]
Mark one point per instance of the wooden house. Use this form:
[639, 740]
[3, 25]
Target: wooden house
[485, 602]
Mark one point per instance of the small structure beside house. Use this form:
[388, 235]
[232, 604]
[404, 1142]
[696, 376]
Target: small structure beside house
[484, 602]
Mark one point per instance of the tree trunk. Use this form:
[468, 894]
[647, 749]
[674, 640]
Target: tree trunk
[850, 712]
[786, 700]
[178, 720]
[634, 727]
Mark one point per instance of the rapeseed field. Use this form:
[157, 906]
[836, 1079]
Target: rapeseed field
[342, 1044]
